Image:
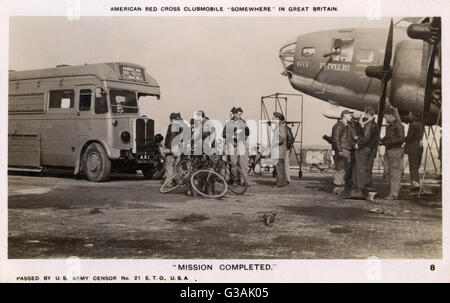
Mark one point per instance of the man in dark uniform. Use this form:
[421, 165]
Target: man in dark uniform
[235, 134]
[329, 140]
[414, 148]
[170, 158]
[366, 148]
[279, 148]
[355, 129]
[204, 142]
[342, 145]
[393, 141]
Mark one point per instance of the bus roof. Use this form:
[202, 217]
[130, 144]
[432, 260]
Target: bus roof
[114, 71]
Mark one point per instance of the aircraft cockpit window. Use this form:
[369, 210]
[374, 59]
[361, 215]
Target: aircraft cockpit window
[365, 55]
[308, 51]
[343, 50]
[405, 22]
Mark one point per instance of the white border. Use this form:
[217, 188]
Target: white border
[372, 270]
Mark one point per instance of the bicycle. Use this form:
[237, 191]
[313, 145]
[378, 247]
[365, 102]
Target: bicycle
[208, 183]
[196, 173]
[254, 164]
[182, 176]
[204, 179]
[256, 161]
[226, 168]
[208, 176]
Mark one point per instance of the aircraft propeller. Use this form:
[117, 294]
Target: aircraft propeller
[383, 73]
[431, 33]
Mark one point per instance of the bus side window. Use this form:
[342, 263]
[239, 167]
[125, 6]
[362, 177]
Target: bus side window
[85, 99]
[61, 99]
[101, 106]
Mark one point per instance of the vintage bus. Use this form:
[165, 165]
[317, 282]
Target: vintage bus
[85, 118]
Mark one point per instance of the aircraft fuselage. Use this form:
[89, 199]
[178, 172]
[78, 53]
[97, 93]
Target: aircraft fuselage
[331, 65]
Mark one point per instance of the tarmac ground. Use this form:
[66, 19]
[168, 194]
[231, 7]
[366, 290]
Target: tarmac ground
[58, 216]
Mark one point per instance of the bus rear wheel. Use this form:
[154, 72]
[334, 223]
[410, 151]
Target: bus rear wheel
[97, 165]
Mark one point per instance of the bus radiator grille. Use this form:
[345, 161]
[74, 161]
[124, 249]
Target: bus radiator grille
[145, 133]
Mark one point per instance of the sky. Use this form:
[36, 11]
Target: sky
[207, 63]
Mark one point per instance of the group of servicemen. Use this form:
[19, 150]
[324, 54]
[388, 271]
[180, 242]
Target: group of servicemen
[235, 139]
[206, 133]
[355, 140]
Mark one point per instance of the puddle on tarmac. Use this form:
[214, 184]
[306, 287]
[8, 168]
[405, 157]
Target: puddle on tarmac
[432, 216]
[30, 191]
[340, 230]
[189, 219]
[329, 213]
[424, 242]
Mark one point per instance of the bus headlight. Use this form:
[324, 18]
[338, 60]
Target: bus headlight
[125, 136]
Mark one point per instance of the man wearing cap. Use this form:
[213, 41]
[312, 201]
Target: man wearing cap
[329, 139]
[199, 132]
[366, 148]
[170, 159]
[235, 134]
[355, 129]
[232, 112]
[279, 148]
[204, 142]
[342, 145]
[287, 166]
[393, 141]
[414, 148]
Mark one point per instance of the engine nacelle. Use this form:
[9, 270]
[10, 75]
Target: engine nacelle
[408, 80]
[407, 88]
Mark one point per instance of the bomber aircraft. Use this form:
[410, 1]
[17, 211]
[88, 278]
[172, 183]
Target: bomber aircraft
[359, 67]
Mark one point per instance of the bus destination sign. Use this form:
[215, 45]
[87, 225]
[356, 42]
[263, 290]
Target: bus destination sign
[131, 73]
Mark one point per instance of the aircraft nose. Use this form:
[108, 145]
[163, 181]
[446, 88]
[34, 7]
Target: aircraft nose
[286, 54]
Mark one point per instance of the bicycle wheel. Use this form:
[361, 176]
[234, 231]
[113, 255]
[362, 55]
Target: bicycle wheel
[234, 184]
[257, 168]
[208, 183]
[184, 165]
[251, 164]
[172, 183]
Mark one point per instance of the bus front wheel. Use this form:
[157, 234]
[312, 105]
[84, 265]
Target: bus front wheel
[97, 165]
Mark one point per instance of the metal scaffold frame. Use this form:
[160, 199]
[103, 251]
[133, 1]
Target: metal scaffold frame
[430, 137]
[280, 102]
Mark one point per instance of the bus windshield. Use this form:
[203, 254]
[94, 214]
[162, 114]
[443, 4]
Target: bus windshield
[123, 102]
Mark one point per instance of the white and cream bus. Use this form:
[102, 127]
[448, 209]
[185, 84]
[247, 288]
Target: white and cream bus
[83, 117]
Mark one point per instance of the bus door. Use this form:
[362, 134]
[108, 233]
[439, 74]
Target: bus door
[85, 112]
[57, 130]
